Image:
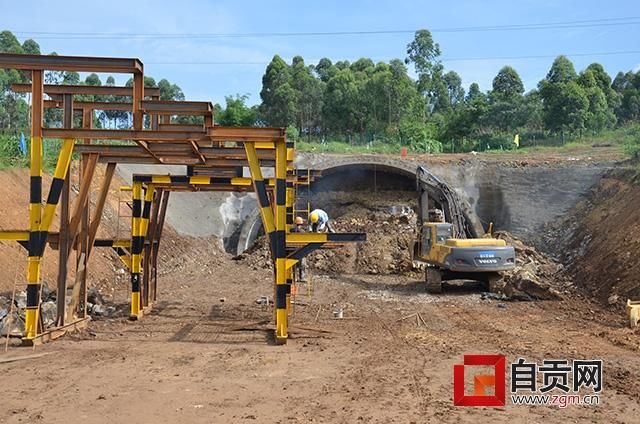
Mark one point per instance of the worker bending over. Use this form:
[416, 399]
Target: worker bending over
[319, 222]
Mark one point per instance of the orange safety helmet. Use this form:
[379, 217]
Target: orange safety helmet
[299, 220]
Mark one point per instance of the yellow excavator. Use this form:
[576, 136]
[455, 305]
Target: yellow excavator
[448, 241]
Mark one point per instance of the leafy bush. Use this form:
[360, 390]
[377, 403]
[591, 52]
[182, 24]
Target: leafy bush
[292, 133]
[10, 154]
[419, 137]
[632, 145]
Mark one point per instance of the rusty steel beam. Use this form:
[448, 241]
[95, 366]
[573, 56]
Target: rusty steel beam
[208, 152]
[245, 133]
[197, 152]
[70, 63]
[147, 160]
[147, 135]
[106, 90]
[177, 107]
[145, 146]
[181, 127]
[57, 104]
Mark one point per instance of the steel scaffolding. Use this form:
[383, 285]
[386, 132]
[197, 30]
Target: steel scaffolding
[215, 158]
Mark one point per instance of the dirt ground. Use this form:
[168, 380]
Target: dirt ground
[204, 355]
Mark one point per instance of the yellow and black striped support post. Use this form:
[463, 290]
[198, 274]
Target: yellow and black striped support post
[280, 252]
[137, 243]
[33, 264]
[260, 188]
[39, 224]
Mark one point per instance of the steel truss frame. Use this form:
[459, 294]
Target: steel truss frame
[215, 157]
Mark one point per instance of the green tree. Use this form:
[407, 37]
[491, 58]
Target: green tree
[565, 102]
[30, 47]
[562, 71]
[169, 91]
[308, 96]
[340, 107]
[507, 84]
[602, 98]
[279, 98]
[627, 87]
[505, 101]
[325, 69]
[423, 53]
[237, 113]
[455, 92]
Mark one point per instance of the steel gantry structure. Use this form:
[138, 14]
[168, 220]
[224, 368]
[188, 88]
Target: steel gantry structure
[216, 158]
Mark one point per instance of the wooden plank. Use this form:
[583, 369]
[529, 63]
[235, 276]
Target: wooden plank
[82, 198]
[102, 197]
[63, 253]
[57, 332]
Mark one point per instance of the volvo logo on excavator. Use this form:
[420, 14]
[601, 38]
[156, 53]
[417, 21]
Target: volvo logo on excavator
[488, 261]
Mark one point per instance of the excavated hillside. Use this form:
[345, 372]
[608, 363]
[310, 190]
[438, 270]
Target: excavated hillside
[599, 240]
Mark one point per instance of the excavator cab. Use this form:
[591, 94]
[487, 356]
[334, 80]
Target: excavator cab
[433, 233]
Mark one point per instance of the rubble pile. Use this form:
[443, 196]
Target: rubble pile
[536, 275]
[258, 256]
[386, 251]
[12, 319]
[390, 234]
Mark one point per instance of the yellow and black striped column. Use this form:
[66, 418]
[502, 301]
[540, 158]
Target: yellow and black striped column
[40, 224]
[261, 191]
[137, 242]
[281, 243]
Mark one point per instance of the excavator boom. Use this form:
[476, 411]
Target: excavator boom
[455, 210]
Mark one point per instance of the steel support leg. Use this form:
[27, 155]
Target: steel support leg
[280, 243]
[38, 238]
[137, 242]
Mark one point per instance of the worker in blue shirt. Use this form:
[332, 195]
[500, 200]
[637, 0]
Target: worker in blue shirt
[319, 221]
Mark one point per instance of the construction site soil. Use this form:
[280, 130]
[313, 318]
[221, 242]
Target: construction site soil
[205, 352]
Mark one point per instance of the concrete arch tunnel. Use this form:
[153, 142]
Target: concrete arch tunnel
[364, 175]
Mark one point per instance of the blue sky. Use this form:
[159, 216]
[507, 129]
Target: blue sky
[213, 82]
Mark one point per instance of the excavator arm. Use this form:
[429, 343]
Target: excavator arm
[456, 211]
